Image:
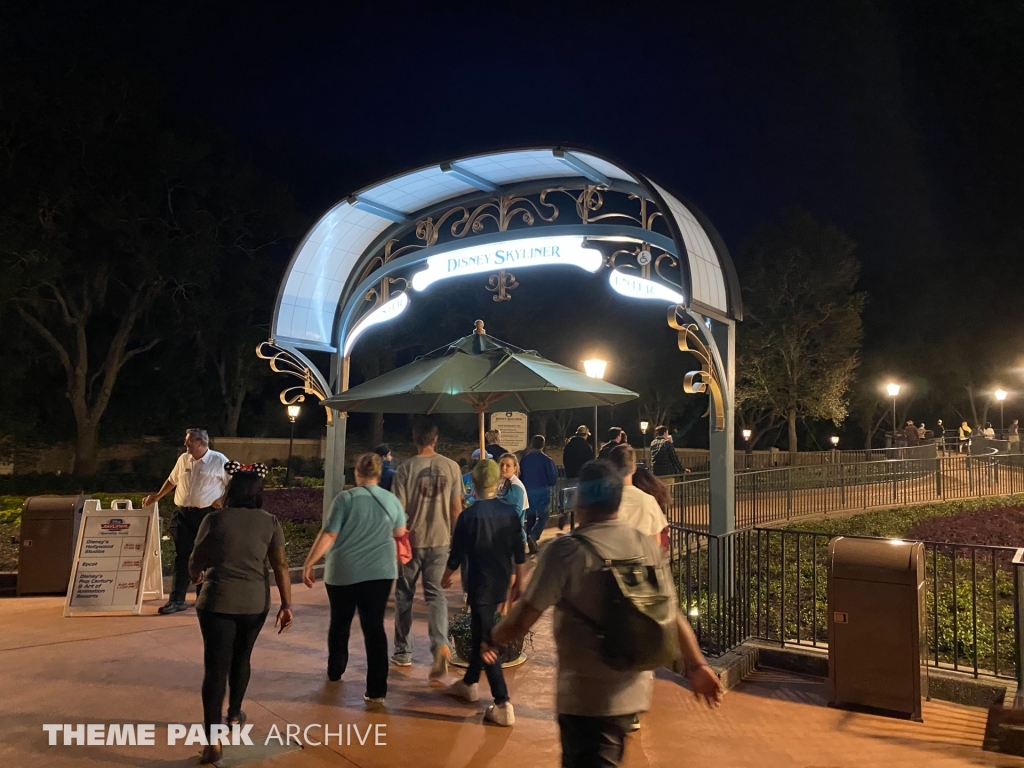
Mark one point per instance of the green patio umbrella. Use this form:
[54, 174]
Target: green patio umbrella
[474, 375]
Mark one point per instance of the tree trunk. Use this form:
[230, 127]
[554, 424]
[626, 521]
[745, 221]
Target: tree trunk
[86, 449]
[791, 417]
[378, 428]
[233, 414]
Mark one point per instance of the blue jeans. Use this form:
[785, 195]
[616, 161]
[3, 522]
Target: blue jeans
[539, 511]
[481, 619]
[429, 562]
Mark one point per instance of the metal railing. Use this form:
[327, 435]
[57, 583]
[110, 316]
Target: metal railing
[771, 584]
[773, 495]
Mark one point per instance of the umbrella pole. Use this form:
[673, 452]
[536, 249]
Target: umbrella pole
[483, 441]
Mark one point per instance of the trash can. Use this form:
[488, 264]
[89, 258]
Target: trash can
[49, 535]
[876, 620]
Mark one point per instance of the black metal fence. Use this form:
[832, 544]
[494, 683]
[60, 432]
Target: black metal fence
[772, 495]
[771, 584]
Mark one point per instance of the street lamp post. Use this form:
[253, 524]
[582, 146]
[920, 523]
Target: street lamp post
[643, 428]
[293, 414]
[835, 446]
[893, 389]
[1001, 397]
[595, 369]
[747, 448]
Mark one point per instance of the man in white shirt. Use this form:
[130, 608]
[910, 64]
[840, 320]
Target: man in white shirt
[199, 481]
[637, 508]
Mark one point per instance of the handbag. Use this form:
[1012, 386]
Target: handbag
[402, 546]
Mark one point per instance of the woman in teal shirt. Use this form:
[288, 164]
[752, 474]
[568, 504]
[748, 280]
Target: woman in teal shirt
[358, 539]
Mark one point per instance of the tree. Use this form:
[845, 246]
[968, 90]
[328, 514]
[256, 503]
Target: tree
[798, 346]
[255, 220]
[97, 227]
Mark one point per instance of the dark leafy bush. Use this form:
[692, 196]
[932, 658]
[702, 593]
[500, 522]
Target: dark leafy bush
[37, 483]
[295, 505]
[999, 526]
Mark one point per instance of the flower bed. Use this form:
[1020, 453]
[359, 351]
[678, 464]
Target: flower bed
[998, 526]
[295, 505]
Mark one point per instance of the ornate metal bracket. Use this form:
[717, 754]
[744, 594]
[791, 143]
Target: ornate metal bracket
[285, 361]
[500, 284]
[501, 212]
[706, 379]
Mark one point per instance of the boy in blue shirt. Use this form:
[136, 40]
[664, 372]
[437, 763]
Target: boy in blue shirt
[489, 534]
[539, 474]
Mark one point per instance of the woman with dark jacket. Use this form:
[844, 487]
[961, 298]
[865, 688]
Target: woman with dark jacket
[232, 547]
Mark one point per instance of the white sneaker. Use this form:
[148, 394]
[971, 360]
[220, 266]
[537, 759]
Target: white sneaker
[503, 715]
[373, 702]
[440, 666]
[461, 690]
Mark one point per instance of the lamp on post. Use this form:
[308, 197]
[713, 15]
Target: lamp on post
[643, 428]
[835, 445]
[893, 389]
[747, 447]
[293, 414]
[1001, 397]
[595, 368]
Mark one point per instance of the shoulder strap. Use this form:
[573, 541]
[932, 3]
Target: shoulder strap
[377, 501]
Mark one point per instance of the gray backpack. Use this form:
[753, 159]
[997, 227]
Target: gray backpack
[637, 627]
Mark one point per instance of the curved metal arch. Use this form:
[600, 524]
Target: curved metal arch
[640, 185]
[399, 230]
[347, 313]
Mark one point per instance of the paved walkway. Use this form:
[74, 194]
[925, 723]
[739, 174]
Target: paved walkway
[148, 670]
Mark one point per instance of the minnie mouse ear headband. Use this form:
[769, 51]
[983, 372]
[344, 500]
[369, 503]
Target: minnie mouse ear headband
[233, 467]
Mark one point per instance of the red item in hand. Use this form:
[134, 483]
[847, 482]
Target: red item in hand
[404, 548]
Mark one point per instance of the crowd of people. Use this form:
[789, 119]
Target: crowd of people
[913, 435]
[427, 520]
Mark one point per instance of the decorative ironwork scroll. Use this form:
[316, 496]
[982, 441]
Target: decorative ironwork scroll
[283, 361]
[590, 203]
[706, 379]
[648, 259]
[500, 284]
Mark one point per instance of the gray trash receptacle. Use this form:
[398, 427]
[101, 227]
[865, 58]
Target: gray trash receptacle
[49, 534]
[876, 610]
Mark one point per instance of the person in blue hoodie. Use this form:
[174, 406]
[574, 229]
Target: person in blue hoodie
[387, 473]
[539, 474]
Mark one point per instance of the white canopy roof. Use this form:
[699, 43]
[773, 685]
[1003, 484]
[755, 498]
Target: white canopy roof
[325, 260]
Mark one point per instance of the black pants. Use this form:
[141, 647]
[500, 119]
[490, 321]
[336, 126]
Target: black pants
[228, 639]
[370, 598]
[184, 527]
[481, 621]
[593, 742]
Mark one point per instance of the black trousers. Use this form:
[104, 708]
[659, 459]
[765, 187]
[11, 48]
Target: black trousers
[593, 742]
[370, 598]
[228, 639]
[481, 621]
[184, 527]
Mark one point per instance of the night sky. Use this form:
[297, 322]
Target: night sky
[898, 122]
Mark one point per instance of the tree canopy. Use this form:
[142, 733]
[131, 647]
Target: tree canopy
[797, 349]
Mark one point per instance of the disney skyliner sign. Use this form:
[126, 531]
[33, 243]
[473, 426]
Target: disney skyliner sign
[470, 260]
[566, 250]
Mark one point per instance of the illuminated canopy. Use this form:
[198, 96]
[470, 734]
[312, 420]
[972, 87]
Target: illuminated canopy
[329, 267]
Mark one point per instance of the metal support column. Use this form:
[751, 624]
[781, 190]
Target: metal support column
[722, 481]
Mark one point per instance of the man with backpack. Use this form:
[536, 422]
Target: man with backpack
[616, 619]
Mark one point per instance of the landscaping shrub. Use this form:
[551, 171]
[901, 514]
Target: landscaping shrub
[899, 521]
[295, 504]
[998, 526]
[45, 483]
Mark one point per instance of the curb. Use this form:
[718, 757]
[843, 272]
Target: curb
[945, 685]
